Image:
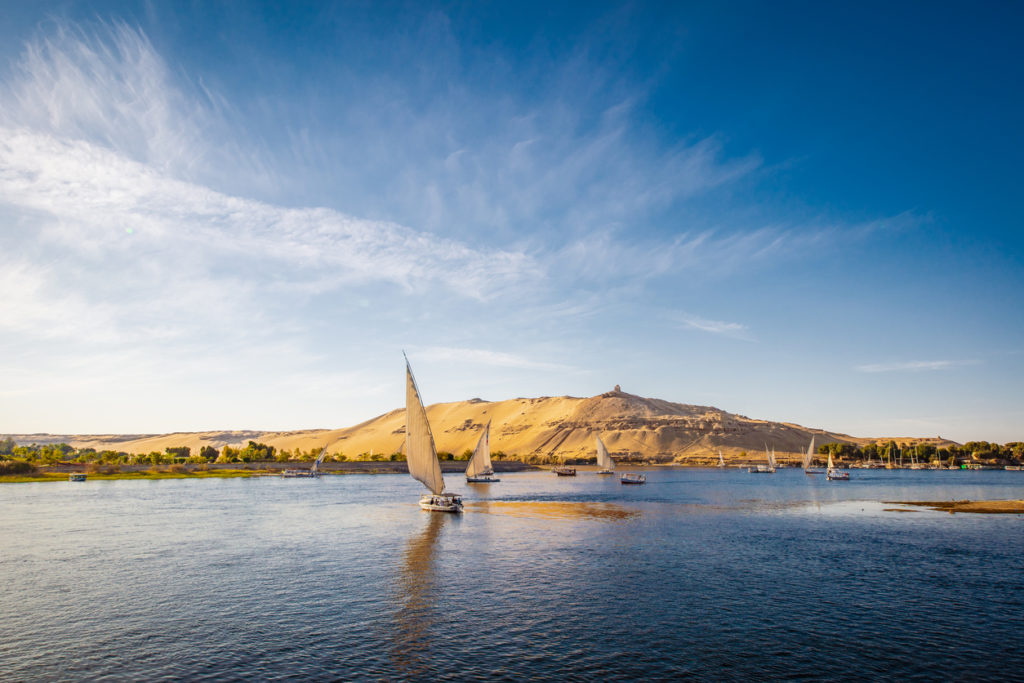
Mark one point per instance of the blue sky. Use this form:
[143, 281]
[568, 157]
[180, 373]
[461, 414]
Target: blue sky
[233, 216]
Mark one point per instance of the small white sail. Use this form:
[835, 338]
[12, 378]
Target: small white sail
[831, 465]
[770, 456]
[604, 461]
[480, 464]
[721, 460]
[420, 453]
[810, 454]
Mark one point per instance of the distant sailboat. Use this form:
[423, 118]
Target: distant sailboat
[808, 458]
[421, 454]
[604, 461]
[764, 469]
[721, 460]
[832, 474]
[313, 471]
[479, 469]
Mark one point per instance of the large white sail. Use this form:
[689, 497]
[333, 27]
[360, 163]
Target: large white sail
[604, 461]
[769, 455]
[830, 465]
[810, 454]
[420, 454]
[480, 464]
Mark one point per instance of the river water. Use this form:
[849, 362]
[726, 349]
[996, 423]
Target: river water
[700, 574]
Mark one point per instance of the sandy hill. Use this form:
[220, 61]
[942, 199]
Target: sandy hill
[563, 426]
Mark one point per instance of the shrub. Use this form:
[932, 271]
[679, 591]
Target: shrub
[16, 467]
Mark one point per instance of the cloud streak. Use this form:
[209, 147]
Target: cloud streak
[720, 327]
[915, 366]
[485, 357]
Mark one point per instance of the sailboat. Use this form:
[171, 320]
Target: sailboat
[604, 461]
[479, 469]
[421, 454]
[313, 471]
[832, 474]
[721, 460]
[764, 469]
[808, 457]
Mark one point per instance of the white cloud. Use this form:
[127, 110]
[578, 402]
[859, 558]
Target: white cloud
[484, 357]
[915, 366]
[736, 330]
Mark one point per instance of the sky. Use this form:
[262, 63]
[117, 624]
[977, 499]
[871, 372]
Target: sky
[237, 216]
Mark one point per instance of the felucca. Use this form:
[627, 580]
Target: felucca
[313, 471]
[764, 469]
[808, 457]
[479, 469]
[421, 454]
[721, 460]
[832, 474]
[604, 461]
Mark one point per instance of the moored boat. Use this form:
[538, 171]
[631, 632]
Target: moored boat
[564, 470]
[76, 476]
[604, 460]
[421, 454]
[479, 470]
[764, 469]
[633, 478]
[312, 472]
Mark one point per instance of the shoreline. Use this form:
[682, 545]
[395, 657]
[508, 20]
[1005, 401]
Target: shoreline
[981, 507]
[230, 470]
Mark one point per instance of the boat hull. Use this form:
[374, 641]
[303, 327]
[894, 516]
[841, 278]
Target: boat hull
[482, 480]
[838, 476]
[565, 471]
[761, 469]
[299, 474]
[604, 472]
[631, 478]
[76, 477]
[445, 502]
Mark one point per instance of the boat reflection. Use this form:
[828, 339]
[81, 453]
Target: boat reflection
[567, 510]
[417, 600]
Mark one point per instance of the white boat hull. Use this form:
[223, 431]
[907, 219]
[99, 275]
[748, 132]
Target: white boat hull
[445, 502]
[482, 480]
[604, 472]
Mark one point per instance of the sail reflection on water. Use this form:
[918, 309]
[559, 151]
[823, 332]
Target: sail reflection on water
[417, 601]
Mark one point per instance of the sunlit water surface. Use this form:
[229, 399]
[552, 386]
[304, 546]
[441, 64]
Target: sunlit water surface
[700, 573]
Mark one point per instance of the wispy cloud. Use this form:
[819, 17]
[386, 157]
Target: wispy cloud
[916, 366]
[485, 357]
[728, 329]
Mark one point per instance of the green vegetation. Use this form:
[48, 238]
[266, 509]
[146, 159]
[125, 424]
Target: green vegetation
[63, 454]
[973, 451]
[172, 472]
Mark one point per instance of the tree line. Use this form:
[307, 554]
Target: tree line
[926, 452]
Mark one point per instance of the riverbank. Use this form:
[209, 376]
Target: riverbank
[256, 469]
[985, 507]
